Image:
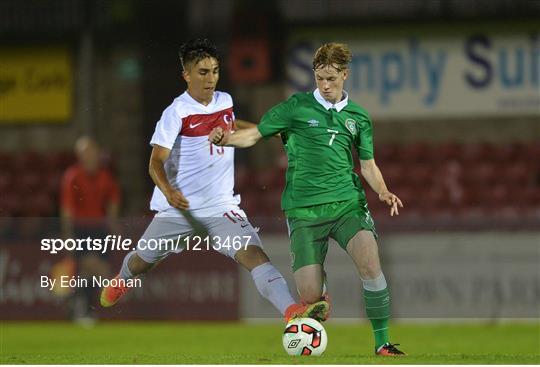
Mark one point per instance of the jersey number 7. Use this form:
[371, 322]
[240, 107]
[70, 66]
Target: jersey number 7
[334, 133]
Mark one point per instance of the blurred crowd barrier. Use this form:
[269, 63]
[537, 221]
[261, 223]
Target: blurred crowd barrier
[437, 275]
[444, 275]
[198, 285]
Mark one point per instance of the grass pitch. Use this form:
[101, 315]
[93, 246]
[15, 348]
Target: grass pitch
[237, 343]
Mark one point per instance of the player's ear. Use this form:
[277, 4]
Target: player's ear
[186, 76]
[345, 74]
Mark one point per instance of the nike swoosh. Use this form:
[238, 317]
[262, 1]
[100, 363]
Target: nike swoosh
[244, 225]
[271, 280]
[192, 125]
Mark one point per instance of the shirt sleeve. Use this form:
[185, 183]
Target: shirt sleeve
[278, 118]
[364, 143]
[167, 128]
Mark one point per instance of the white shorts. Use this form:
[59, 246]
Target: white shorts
[226, 229]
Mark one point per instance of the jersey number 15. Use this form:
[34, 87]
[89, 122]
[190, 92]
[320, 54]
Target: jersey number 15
[217, 149]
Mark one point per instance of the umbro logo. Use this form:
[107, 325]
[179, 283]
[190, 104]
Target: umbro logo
[313, 123]
[294, 343]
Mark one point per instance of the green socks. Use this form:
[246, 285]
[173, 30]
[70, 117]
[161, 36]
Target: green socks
[377, 305]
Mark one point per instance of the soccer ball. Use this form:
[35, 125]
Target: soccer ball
[304, 337]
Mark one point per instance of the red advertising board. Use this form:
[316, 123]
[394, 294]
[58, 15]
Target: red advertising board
[193, 285]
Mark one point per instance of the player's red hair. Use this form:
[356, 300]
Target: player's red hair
[332, 54]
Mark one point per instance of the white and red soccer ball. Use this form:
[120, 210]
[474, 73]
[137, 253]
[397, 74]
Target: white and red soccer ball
[304, 337]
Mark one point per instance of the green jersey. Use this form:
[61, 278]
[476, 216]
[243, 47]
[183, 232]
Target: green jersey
[319, 138]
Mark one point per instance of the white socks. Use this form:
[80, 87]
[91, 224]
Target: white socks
[125, 273]
[272, 286]
[374, 285]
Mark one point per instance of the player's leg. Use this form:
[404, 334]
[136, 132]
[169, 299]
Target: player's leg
[355, 232]
[364, 251]
[269, 282]
[160, 239]
[309, 245]
[89, 264]
[272, 285]
[310, 282]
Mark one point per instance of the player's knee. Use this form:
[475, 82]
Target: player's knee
[370, 270]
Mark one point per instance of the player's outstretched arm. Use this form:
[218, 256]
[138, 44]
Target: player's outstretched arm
[240, 139]
[243, 124]
[157, 172]
[373, 176]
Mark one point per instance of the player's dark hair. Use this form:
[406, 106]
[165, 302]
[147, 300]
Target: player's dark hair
[195, 50]
[332, 54]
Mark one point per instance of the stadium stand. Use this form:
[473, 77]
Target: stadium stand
[458, 183]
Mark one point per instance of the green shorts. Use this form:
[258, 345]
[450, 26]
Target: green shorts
[311, 227]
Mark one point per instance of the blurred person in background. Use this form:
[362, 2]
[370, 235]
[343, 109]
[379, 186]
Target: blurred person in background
[89, 204]
[323, 198]
[195, 188]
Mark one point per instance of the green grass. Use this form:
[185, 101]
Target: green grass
[237, 343]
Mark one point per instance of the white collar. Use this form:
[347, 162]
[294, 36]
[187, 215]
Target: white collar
[338, 106]
[197, 103]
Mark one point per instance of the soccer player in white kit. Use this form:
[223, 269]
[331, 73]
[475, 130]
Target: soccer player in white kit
[194, 187]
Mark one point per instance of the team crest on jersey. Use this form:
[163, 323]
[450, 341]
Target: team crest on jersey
[313, 123]
[350, 124]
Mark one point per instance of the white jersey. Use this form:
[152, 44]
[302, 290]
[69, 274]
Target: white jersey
[202, 171]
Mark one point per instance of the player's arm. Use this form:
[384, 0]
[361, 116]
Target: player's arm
[372, 174]
[239, 139]
[157, 172]
[277, 120]
[243, 124]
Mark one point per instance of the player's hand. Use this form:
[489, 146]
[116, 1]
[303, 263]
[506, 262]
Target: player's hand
[392, 201]
[218, 136]
[177, 200]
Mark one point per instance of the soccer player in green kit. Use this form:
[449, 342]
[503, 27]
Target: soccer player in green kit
[323, 197]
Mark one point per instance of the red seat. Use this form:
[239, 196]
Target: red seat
[393, 173]
[63, 160]
[386, 153]
[446, 152]
[476, 152]
[518, 174]
[480, 173]
[39, 205]
[6, 162]
[30, 181]
[414, 153]
[420, 175]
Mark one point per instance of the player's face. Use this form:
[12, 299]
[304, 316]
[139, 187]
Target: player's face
[202, 78]
[330, 82]
[88, 155]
